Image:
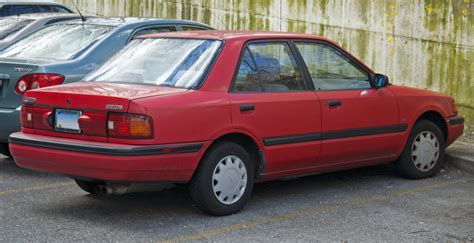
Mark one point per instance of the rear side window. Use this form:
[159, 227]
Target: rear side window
[154, 30]
[268, 67]
[9, 26]
[190, 28]
[18, 9]
[332, 70]
[59, 41]
[51, 9]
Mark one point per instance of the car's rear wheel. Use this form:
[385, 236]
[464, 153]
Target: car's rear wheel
[5, 150]
[424, 151]
[92, 187]
[224, 180]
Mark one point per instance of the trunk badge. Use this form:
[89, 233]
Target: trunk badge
[29, 100]
[68, 101]
[113, 107]
[23, 69]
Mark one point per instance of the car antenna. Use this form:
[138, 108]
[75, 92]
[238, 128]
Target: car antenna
[77, 9]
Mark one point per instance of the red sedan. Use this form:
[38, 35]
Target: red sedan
[222, 110]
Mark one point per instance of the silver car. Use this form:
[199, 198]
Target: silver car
[63, 53]
[15, 28]
[14, 8]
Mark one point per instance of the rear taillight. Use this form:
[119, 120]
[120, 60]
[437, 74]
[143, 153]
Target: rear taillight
[37, 80]
[129, 126]
[35, 117]
[26, 117]
[113, 125]
[93, 124]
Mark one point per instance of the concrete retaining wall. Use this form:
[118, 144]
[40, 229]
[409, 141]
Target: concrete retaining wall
[426, 43]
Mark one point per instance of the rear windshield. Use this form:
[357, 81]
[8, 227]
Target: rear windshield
[9, 26]
[59, 42]
[167, 62]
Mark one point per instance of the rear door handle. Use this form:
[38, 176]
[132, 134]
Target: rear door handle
[334, 103]
[247, 107]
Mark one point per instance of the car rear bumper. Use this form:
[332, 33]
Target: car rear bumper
[455, 128]
[10, 123]
[104, 161]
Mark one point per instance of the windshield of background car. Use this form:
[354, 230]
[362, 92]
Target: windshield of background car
[168, 62]
[9, 26]
[59, 41]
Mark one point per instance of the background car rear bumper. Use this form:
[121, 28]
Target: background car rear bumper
[169, 163]
[10, 123]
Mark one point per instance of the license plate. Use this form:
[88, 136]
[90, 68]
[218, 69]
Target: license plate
[67, 121]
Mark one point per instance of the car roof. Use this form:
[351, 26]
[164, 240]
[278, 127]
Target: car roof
[36, 16]
[31, 3]
[241, 35]
[119, 21]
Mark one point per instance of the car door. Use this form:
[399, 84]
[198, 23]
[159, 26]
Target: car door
[270, 99]
[359, 123]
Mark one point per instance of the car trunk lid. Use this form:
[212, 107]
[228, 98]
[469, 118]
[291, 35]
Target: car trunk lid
[97, 95]
[92, 100]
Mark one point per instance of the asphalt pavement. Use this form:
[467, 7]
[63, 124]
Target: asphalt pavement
[367, 204]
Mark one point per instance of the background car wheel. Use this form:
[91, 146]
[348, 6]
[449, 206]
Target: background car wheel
[224, 180]
[92, 187]
[424, 151]
[5, 150]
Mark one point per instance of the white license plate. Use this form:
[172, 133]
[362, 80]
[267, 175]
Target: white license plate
[67, 120]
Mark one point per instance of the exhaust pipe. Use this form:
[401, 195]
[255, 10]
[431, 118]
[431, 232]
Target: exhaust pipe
[119, 189]
[111, 189]
[100, 190]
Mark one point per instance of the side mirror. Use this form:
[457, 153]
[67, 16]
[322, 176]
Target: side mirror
[380, 80]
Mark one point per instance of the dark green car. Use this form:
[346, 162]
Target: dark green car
[64, 53]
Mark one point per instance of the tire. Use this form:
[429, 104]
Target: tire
[90, 186]
[5, 150]
[229, 161]
[423, 154]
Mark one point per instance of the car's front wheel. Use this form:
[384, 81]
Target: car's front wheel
[424, 151]
[224, 180]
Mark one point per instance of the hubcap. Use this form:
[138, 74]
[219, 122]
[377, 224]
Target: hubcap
[229, 179]
[425, 151]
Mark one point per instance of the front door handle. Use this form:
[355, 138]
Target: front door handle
[334, 103]
[247, 107]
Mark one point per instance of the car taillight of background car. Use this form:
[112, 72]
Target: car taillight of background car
[37, 80]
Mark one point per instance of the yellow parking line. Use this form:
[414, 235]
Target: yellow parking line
[305, 212]
[37, 188]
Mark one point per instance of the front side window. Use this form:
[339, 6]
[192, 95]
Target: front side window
[170, 62]
[268, 67]
[9, 26]
[330, 69]
[59, 41]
